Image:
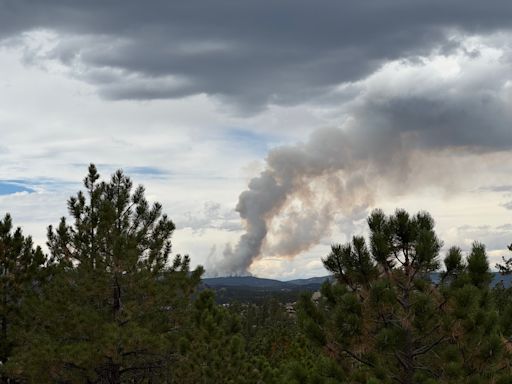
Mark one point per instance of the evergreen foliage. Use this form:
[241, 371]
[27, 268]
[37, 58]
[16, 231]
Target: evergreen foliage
[384, 320]
[113, 310]
[506, 267]
[21, 272]
[213, 349]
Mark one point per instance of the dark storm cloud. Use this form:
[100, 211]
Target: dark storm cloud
[459, 101]
[250, 53]
[439, 121]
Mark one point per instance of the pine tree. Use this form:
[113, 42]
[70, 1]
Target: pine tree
[506, 267]
[21, 271]
[475, 351]
[113, 311]
[385, 321]
[213, 350]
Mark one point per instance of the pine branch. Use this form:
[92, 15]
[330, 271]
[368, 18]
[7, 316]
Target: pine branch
[427, 348]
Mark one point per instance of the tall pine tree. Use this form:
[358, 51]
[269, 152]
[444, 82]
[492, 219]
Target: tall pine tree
[113, 311]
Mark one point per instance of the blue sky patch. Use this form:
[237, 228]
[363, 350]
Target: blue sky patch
[9, 188]
[107, 169]
[146, 171]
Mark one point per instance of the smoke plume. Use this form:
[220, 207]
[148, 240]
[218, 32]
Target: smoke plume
[294, 202]
[290, 206]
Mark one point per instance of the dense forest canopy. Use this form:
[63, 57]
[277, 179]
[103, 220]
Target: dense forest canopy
[108, 304]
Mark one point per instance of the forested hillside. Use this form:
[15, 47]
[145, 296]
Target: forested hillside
[109, 304]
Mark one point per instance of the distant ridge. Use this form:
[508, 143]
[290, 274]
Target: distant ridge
[496, 278]
[258, 282]
[253, 289]
[243, 281]
[311, 280]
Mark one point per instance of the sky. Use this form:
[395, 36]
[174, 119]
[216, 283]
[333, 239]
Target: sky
[268, 130]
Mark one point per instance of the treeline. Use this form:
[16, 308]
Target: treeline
[108, 304]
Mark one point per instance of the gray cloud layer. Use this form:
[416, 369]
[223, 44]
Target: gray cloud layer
[251, 53]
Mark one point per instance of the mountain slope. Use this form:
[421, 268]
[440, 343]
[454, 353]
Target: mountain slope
[244, 281]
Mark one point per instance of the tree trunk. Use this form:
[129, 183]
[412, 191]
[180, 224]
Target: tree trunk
[408, 358]
[4, 346]
[115, 369]
[114, 374]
